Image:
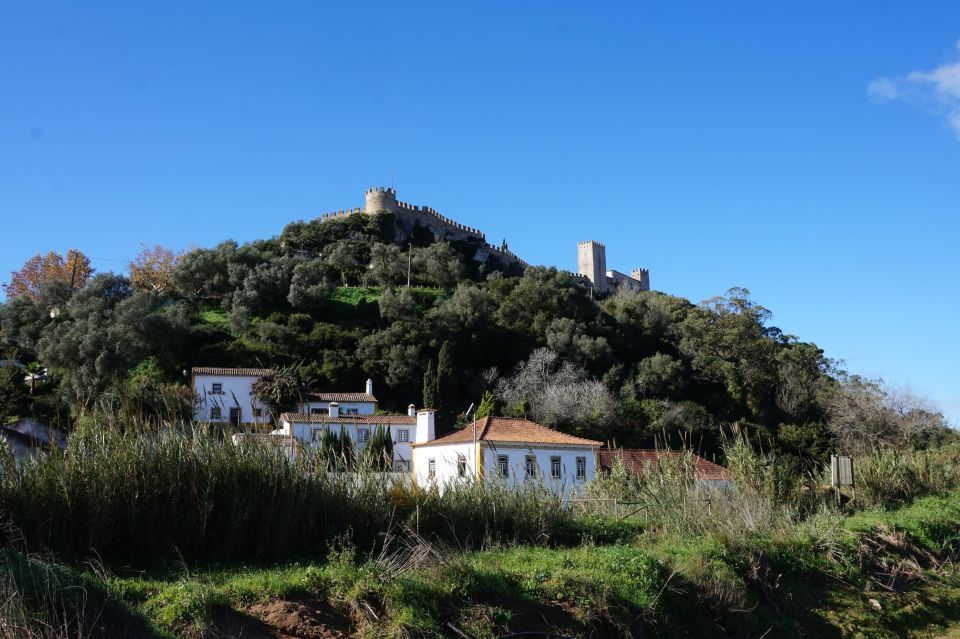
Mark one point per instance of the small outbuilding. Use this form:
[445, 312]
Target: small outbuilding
[642, 460]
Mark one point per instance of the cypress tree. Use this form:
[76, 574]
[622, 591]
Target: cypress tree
[430, 387]
[446, 387]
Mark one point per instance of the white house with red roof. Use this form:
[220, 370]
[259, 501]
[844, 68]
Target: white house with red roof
[509, 450]
[224, 395]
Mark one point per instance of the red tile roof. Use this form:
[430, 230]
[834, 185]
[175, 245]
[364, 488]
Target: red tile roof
[319, 396]
[511, 431]
[639, 459]
[302, 418]
[234, 372]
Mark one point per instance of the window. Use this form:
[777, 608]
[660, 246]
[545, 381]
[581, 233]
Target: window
[461, 466]
[352, 411]
[363, 435]
[216, 389]
[216, 413]
[503, 465]
[318, 411]
[316, 434]
[258, 412]
[555, 467]
[530, 465]
[581, 467]
[403, 435]
[401, 465]
[431, 469]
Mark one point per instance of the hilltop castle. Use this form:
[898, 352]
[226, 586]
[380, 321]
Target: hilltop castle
[591, 256]
[384, 199]
[592, 266]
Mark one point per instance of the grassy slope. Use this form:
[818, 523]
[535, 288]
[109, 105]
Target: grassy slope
[819, 580]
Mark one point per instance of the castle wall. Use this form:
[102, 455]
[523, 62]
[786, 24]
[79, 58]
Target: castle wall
[409, 216]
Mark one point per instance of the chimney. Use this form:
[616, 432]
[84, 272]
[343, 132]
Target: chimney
[411, 411]
[425, 426]
[369, 387]
[334, 409]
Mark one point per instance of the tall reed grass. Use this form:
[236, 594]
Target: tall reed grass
[198, 496]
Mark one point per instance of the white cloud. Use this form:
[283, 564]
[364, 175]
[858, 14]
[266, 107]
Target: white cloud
[938, 90]
[883, 90]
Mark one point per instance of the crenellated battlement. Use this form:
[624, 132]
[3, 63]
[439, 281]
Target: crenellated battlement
[591, 242]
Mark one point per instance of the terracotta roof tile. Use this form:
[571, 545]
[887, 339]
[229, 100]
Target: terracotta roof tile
[639, 459]
[514, 431]
[302, 418]
[319, 396]
[228, 372]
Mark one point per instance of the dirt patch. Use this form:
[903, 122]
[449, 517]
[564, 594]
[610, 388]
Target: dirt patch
[307, 619]
[227, 623]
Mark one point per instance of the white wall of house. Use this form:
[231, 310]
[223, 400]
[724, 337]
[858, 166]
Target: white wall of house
[446, 464]
[567, 481]
[234, 394]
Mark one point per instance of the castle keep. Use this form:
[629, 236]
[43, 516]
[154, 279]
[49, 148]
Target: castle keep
[591, 256]
[592, 266]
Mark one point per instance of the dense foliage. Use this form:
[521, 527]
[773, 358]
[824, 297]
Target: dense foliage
[331, 300]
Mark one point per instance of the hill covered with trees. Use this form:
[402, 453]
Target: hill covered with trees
[351, 298]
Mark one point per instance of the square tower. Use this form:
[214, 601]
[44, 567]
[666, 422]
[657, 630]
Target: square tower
[592, 264]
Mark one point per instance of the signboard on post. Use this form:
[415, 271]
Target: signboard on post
[841, 471]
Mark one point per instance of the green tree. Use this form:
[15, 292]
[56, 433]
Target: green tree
[336, 449]
[430, 386]
[280, 391]
[488, 405]
[379, 450]
[446, 393]
[13, 393]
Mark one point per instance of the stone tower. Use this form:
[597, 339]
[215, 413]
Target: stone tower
[381, 199]
[592, 264]
[642, 275]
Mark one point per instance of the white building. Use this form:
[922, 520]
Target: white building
[224, 395]
[320, 403]
[508, 450]
[405, 431]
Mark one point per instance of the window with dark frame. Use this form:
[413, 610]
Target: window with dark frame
[216, 389]
[581, 467]
[555, 468]
[216, 413]
[431, 469]
[503, 465]
[530, 465]
[363, 435]
[401, 465]
[461, 466]
[403, 435]
[258, 412]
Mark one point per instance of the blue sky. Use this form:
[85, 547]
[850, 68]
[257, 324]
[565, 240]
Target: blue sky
[807, 151]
